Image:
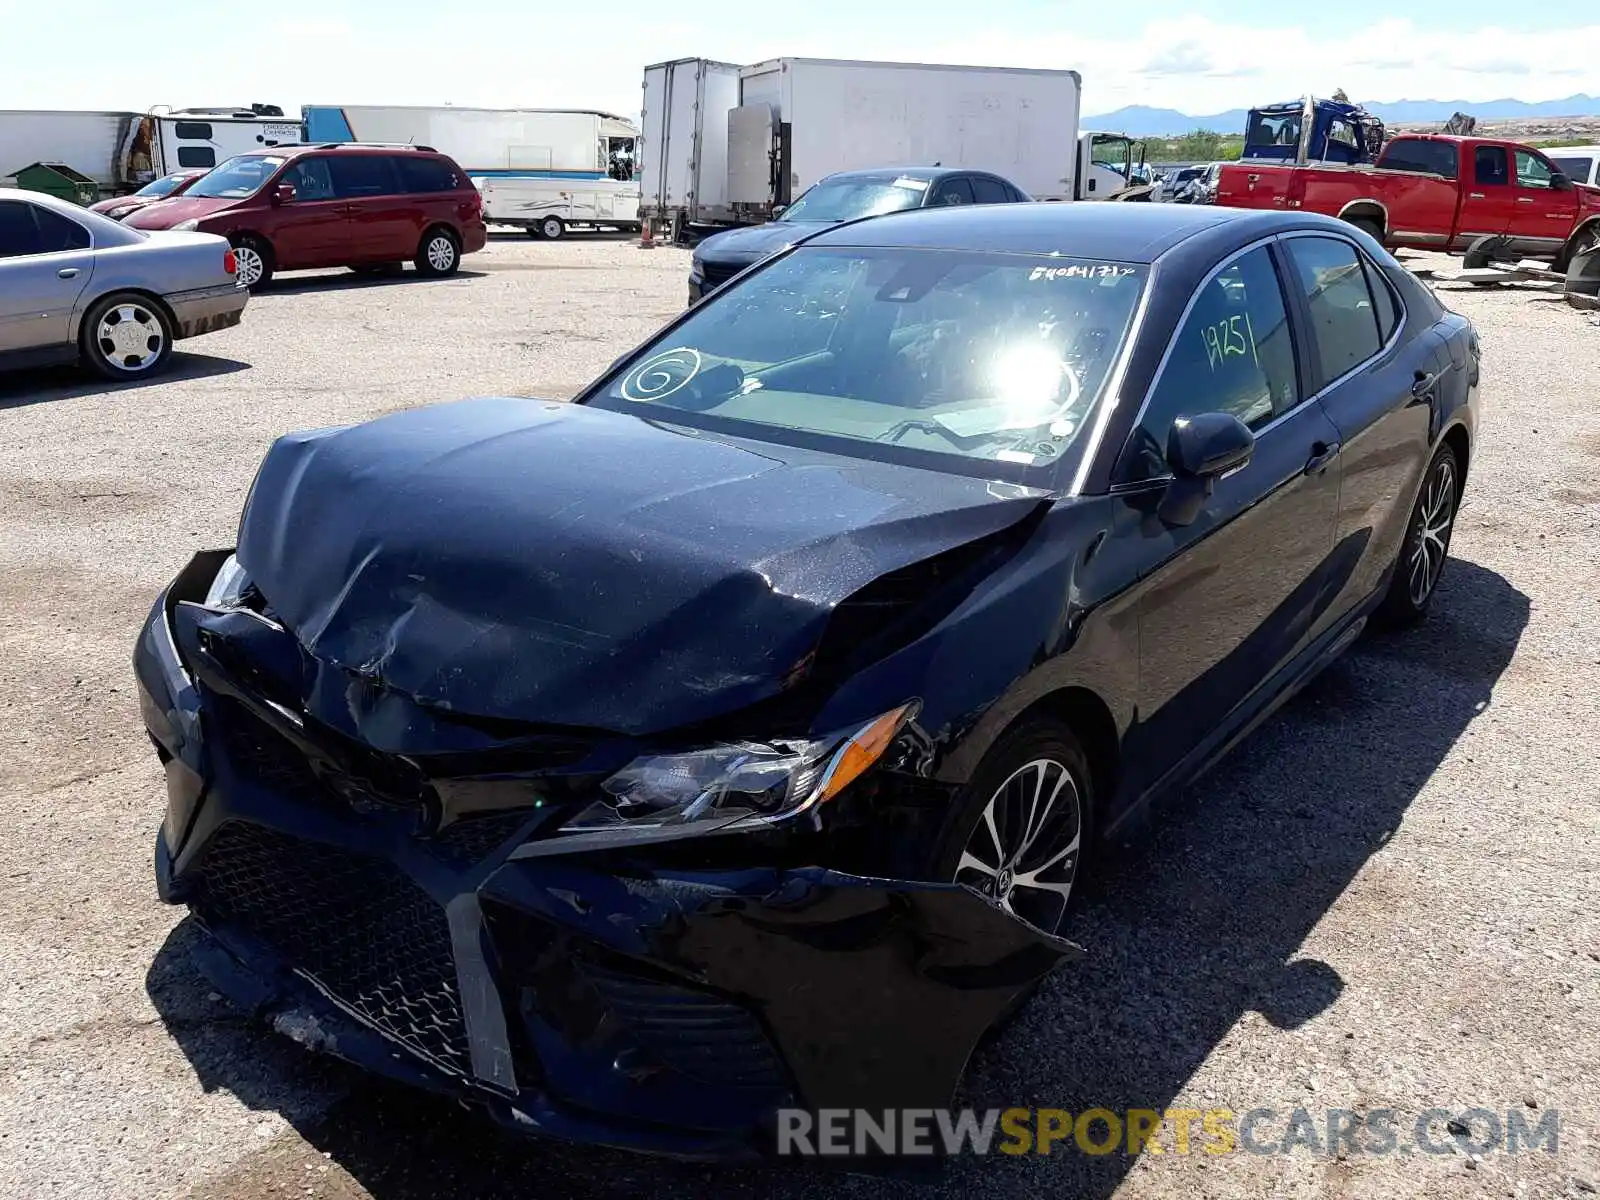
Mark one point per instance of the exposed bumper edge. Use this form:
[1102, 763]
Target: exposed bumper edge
[208, 310]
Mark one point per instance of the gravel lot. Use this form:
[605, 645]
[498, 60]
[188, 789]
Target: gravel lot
[1385, 899]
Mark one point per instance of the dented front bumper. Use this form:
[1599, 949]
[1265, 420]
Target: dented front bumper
[625, 1001]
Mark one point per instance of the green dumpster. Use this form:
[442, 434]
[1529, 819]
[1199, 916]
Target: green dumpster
[60, 180]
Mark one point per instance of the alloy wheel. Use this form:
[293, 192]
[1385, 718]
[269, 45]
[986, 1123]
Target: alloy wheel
[130, 337]
[250, 263]
[1024, 850]
[1435, 516]
[441, 253]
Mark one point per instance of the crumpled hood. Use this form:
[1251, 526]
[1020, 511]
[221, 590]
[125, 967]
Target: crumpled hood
[561, 564]
[745, 246]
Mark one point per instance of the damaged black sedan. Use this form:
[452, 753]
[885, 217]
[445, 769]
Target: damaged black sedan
[735, 738]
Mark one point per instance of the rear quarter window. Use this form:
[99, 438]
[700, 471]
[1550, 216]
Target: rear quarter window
[1418, 154]
[427, 175]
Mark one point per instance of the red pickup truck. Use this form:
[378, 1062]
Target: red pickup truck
[1434, 192]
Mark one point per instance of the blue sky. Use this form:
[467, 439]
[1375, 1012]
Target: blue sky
[113, 54]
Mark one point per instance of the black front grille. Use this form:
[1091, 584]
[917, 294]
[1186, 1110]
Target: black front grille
[472, 839]
[716, 274]
[356, 925]
[696, 1034]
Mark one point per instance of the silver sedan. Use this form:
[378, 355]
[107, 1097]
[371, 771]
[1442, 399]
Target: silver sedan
[76, 285]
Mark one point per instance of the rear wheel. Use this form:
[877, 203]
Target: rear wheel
[126, 336]
[1427, 543]
[439, 253]
[1370, 227]
[552, 228]
[254, 258]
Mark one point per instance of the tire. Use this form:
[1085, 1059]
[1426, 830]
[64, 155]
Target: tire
[552, 228]
[125, 336]
[438, 254]
[1369, 227]
[255, 260]
[1059, 847]
[1415, 581]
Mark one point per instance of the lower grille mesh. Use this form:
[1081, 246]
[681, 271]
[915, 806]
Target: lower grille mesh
[358, 926]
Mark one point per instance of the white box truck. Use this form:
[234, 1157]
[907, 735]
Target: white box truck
[730, 145]
[539, 169]
[122, 151]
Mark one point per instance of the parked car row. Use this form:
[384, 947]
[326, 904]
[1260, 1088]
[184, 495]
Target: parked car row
[116, 284]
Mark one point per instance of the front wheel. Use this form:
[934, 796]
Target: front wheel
[439, 254]
[254, 259]
[1427, 543]
[552, 228]
[1022, 825]
[125, 337]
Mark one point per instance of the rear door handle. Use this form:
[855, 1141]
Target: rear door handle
[1475, 196]
[1422, 389]
[67, 273]
[1322, 454]
[1524, 199]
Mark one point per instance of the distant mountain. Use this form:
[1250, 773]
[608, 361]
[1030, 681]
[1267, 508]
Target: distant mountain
[1144, 121]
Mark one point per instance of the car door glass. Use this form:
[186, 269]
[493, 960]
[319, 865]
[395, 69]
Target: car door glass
[310, 179]
[426, 175]
[1489, 167]
[989, 191]
[1532, 171]
[1234, 354]
[58, 233]
[18, 233]
[953, 191]
[1344, 325]
[359, 176]
[1383, 300]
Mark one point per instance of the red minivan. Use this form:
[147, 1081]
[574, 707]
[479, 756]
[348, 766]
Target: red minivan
[371, 208]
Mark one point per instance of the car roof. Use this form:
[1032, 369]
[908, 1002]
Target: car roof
[921, 174]
[1106, 230]
[1569, 151]
[296, 149]
[106, 231]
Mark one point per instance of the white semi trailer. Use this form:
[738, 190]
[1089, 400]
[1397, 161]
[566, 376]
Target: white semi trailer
[724, 145]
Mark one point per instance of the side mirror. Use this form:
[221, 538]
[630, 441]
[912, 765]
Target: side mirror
[1560, 182]
[1200, 450]
[283, 194]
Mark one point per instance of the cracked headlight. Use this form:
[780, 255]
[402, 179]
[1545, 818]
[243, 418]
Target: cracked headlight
[669, 796]
[229, 587]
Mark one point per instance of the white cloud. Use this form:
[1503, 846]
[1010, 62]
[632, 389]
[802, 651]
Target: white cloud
[295, 52]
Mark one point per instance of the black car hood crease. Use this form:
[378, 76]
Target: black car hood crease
[560, 564]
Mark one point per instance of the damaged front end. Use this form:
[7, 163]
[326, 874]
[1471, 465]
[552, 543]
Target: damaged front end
[555, 922]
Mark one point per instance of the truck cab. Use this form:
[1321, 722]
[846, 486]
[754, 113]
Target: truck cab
[1111, 165]
[1312, 130]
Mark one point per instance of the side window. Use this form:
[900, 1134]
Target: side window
[1234, 353]
[1384, 303]
[196, 156]
[194, 131]
[990, 190]
[356, 176]
[1343, 324]
[18, 234]
[419, 174]
[311, 178]
[953, 191]
[1421, 154]
[1532, 171]
[58, 233]
[1489, 166]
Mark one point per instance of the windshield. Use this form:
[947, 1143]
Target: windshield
[984, 364]
[1574, 168]
[161, 187]
[847, 200]
[238, 177]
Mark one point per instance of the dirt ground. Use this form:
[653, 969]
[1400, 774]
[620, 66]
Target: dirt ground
[1385, 899]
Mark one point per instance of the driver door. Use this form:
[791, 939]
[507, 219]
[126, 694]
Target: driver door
[312, 230]
[1228, 599]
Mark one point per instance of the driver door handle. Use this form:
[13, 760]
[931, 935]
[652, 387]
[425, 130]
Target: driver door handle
[1422, 389]
[67, 273]
[1322, 454]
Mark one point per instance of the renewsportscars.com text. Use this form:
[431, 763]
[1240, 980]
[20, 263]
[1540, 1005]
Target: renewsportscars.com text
[1097, 1131]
